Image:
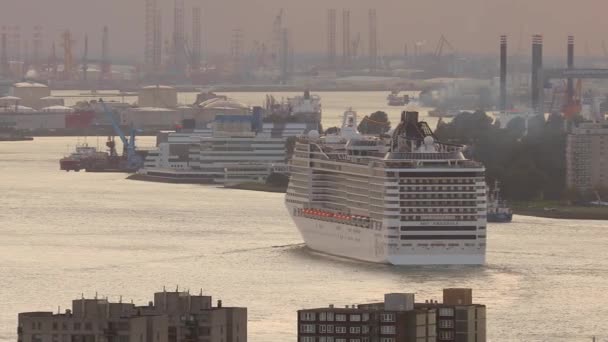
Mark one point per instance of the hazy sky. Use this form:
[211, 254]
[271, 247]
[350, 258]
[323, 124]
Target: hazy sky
[470, 25]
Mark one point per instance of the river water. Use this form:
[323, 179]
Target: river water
[63, 234]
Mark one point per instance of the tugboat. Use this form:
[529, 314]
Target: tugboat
[81, 158]
[394, 99]
[497, 208]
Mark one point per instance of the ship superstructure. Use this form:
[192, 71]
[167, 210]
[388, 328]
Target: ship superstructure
[305, 109]
[498, 211]
[405, 199]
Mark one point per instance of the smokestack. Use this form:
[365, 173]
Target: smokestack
[346, 52]
[373, 39]
[537, 64]
[570, 66]
[197, 34]
[331, 38]
[4, 56]
[503, 73]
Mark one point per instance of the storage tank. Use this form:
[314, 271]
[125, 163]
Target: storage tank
[158, 96]
[209, 109]
[31, 93]
[51, 101]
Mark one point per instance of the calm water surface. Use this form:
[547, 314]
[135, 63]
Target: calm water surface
[63, 234]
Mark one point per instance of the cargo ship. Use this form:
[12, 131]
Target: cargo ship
[394, 99]
[91, 160]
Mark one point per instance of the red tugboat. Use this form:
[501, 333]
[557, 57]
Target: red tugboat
[83, 156]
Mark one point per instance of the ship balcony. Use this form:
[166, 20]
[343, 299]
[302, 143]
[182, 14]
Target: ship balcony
[440, 190]
[440, 205]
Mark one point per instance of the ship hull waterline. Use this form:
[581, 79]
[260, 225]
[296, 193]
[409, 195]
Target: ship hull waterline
[369, 245]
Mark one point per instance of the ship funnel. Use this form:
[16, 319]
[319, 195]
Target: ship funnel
[411, 117]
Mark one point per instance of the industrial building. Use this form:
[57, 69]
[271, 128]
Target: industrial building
[171, 317]
[397, 319]
[587, 157]
[30, 93]
[157, 96]
[27, 119]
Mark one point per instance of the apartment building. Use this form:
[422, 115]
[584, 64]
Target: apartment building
[587, 157]
[397, 319]
[171, 317]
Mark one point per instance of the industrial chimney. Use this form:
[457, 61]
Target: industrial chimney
[503, 73]
[537, 64]
[570, 66]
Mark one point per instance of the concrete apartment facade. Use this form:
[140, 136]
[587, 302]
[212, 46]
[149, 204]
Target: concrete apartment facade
[398, 319]
[172, 317]
[587, 157]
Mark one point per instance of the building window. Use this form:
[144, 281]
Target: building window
[322, 316]
[355, 340]
[448, 312]
[355, 318]
[330, 329]
[446, 324]
[387, 329]
[387, 339]
[365, 317]
[307, 339]
[330, 316]
[307, 328]
[340, 330]
[340, 340]
[307, 316]
[322, 329]
[340, 317]
[365, 329]
[77, 326]
[446, 335]
[355, 330]
[387, 317]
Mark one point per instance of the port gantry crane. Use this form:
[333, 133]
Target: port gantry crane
[134, 161]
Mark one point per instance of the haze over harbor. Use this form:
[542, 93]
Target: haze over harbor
[472, 25]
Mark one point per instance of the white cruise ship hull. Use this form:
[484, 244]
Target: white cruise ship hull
[342, 240]
[370, 245]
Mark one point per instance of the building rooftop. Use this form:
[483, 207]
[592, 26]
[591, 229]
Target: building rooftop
[29, 85]
[158, 87]
[223, 104]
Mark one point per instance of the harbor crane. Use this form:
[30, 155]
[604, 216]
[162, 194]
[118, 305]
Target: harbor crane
[440, 45]
[133, 160]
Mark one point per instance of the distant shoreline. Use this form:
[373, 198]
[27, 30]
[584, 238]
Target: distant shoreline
[252, 186]
[17, 139]
[557, 211]
[154, 179]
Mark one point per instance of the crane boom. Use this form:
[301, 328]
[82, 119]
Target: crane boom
[134, 161]
[115, 126]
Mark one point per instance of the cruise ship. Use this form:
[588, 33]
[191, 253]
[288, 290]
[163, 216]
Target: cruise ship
[229, 153]
[405, 199]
